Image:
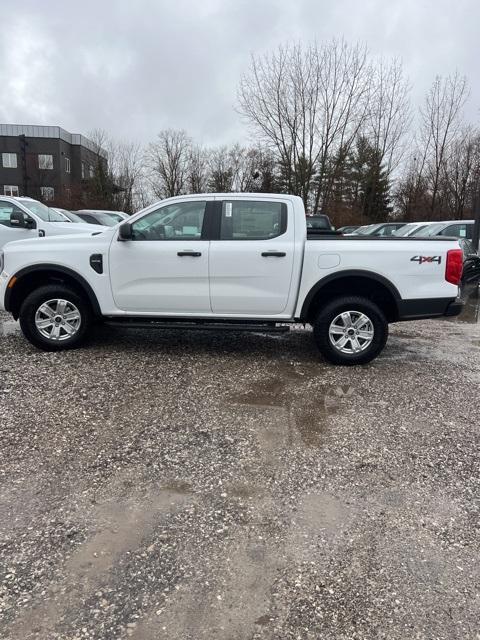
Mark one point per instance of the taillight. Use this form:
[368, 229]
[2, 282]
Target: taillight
[454, 268]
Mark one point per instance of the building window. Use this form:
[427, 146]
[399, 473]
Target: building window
[45, 161]
[47, 193]
[67, 165]
[84, 170]
[91, 171]
[10, 190]
[9, 160]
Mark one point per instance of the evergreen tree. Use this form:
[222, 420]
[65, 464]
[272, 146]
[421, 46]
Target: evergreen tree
[369, 183]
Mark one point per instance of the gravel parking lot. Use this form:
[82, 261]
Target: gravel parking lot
[234, 486]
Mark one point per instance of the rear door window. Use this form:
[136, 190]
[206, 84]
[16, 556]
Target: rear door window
[455, 230]
[252, 220]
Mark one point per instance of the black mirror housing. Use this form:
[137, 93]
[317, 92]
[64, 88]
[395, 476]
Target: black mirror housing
[125, 232]
[19, 219]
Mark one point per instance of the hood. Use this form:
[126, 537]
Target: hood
[55, 242]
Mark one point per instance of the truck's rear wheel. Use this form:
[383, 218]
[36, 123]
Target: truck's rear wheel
[54, 318]
[350, 330]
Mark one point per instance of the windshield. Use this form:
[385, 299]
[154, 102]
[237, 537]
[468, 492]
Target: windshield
[106, 219]
[43, 212]
[115, 216]
[407, 229]
[429, 230]
[366, 229]
[71, 216]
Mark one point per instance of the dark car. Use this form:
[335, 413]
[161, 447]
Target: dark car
[97, 217]
[471, 262]
[320, 222]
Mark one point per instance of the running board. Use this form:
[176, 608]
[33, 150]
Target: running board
[268, 327]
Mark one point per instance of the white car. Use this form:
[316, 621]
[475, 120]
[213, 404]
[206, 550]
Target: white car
[410, 229]
[230, 261]
[26, 218]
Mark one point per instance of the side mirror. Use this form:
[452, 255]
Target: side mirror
[125, 232]
[19, 220]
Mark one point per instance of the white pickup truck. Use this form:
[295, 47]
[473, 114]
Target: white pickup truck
[23, 218]
[229, 261]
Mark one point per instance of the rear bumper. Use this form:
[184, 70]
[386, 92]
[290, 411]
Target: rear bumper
[429, 308]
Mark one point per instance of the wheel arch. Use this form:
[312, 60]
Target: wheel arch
[353, 282]
[29, 278]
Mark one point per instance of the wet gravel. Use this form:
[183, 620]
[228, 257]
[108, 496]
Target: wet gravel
[198, 486]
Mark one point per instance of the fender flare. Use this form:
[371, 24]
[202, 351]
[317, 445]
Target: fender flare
[370, 275]
[61, 270]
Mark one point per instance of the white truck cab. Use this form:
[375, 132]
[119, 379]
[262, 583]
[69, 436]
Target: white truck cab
[24, 218]
[233, 261]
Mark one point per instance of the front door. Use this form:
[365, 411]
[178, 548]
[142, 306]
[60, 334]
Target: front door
[9, 233]
[163, 269]
[251, 264]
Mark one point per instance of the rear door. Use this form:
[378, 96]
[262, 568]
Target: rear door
[252, 257]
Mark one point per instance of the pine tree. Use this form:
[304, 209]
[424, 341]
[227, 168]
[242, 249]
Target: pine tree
[369, 182]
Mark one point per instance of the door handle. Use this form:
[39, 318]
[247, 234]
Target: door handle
[274, 254]
[192, 254]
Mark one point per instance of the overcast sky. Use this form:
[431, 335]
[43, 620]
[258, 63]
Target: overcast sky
[134, 67]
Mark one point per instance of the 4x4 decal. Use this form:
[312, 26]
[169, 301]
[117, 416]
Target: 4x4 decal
[423, 259]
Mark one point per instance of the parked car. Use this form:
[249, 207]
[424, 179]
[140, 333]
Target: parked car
[471, 262]
[349, 228]
[117, 216]
[98, 217]
[229, 261]
[409, 229]
[319, 222]
[452, 228]
[24, 218]
[383, 229]
[69, 215]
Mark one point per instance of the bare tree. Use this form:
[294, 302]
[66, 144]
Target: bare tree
[441, 120]
[306, 103]
[168, 161]
[389, 115]
[197, 170]
[126, 164]
[460, 171]
[221, 170]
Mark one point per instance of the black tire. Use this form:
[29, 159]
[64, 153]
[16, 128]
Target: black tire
[356, 304]
[36, 299]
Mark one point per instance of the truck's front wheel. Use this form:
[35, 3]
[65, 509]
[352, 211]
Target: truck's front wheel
[54, 318]
[350, 330]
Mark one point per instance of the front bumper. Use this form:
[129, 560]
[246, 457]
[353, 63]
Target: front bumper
[4, 279]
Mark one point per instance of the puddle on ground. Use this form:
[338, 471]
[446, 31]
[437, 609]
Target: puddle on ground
[308, 419]
[471, 310]
[8, 328]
